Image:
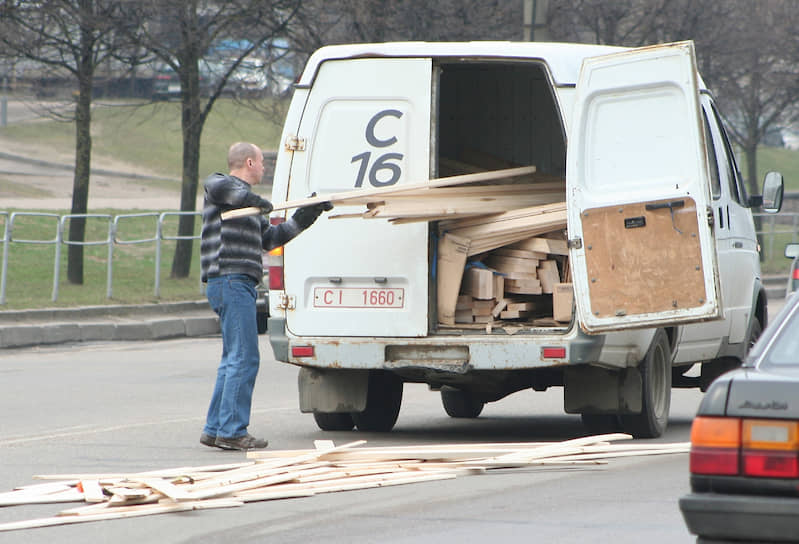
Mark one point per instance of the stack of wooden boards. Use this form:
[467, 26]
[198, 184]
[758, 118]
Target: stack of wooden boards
[271, 475]
[524, 280]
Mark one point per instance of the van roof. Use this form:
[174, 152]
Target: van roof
[564, 59]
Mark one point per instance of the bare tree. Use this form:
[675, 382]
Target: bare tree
[323, 22]
[181, 34]
[747, 52]
[74, 37]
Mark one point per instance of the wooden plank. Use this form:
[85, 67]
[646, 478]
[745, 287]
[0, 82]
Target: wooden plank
[512, 264]
[519, 253]
[542, 245]
[143, 510]
[501, 305]
[361, 193]
[92, 492]
[452, 251]
[549, 275]
[478, 283]
[526, 287]
[514, 314]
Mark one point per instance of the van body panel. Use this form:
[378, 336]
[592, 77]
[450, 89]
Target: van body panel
[373, 117]
[637, 186]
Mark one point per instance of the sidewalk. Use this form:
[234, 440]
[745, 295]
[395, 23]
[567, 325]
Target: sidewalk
[20, 328]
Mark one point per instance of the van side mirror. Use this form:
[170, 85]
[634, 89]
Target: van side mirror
[773, 187]
[791, 251]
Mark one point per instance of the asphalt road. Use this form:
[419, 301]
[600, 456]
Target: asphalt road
[126, 407]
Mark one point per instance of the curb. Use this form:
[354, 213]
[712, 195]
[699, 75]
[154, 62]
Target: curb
[106, 323]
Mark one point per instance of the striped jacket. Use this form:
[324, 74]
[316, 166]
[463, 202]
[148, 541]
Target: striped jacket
[235, 246]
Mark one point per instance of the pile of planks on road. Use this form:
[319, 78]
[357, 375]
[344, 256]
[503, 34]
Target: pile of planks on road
[272, 475]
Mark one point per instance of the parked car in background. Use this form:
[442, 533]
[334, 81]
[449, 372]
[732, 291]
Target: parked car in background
[792, 252]
[744, 459]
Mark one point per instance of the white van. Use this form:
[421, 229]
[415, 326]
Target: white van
[662, 250]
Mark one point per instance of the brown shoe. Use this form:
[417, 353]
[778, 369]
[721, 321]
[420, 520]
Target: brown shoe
[208, 440]
[246, 442]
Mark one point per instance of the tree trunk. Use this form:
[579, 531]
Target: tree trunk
[192, 120]
[83, 157]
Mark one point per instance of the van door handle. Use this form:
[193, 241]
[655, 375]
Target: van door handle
[381, 279]
[666, 205]
[737, 245]
[334, 280]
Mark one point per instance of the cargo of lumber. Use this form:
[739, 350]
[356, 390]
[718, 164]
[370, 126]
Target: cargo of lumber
[274, 475]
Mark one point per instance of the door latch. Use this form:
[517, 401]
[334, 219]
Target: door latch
[287, 302]
[295, 143]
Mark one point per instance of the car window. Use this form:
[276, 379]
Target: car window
[784, 349]
[712, 161]
[737, 189]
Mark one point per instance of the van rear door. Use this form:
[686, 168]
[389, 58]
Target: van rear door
[366, 124]
[642, 249]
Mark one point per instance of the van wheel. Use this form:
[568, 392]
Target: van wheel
[601, 423]
[656, 395]
[754, 333]
[339, 421]
[459, 403]
[383, 400]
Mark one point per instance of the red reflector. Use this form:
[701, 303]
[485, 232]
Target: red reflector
[714, 460]
[276, 278]
[302, 351]
[771, 464]
[796, 273]
[553, 353]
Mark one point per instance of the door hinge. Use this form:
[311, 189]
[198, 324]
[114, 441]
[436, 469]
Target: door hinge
[575, 243]
[295, 143]
[710, 220]
[287, 302]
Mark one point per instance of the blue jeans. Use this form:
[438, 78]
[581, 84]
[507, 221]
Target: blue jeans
[232, 297]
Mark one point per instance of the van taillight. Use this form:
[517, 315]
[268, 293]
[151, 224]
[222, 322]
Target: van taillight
[715, 445]
[795, 275]
[275, 262]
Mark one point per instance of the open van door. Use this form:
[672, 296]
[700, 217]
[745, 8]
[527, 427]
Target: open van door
[642, 247]
[366, 124]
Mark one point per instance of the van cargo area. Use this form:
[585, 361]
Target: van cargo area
[491, 116]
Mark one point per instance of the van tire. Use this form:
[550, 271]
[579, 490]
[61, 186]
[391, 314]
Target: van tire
[656, 391]
[383, 400]
[460, 404]
[601, 423]
[338, 421]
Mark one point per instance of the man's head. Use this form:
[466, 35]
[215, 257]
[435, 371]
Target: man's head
[246, 162]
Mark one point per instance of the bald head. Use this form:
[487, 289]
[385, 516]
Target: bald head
[239, 152]
[246, 162]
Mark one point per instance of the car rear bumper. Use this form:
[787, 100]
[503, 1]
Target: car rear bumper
[741, 517]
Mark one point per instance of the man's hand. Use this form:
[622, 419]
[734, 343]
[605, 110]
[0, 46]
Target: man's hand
[265, 206]
[305, 216]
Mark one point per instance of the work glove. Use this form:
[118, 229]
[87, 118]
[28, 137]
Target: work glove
[265, 206]
[306, 215]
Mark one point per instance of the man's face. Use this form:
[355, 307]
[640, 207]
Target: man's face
[256, 168]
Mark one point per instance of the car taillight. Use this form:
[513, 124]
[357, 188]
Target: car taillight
[275, 262]
[765, 448]
[770, 448]
[715, 445]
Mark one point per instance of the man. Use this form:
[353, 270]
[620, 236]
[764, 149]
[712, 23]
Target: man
[230, 257]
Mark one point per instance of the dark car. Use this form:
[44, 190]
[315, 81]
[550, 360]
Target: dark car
[744, 459]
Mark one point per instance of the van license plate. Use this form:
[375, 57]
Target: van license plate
[355, 297]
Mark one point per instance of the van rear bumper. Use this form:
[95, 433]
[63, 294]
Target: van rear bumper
[460, 353]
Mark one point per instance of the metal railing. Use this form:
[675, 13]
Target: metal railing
[114, 238]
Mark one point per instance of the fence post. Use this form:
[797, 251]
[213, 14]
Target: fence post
[59, 236]
[158, 237]
[5, 259]
[109, 290]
